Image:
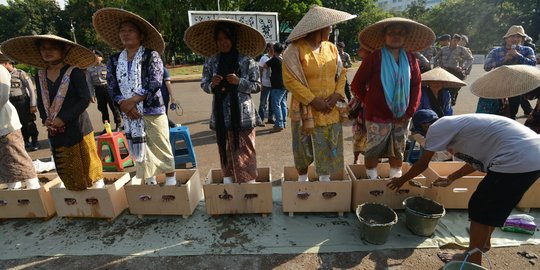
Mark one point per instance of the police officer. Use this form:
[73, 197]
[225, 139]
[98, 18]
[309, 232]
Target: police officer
[346, 60]
[23, 96]
[96, 76]
[456, 60]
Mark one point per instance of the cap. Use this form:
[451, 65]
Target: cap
[421, 117]
[444, 37]
[98, 53]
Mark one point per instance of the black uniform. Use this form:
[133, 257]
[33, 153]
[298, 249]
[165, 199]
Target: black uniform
[22, 95]
[97, 81]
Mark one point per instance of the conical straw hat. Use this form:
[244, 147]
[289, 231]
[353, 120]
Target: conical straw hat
[419, 36]
[107, 22]
[25, 50]
[200, 38]
[507, 81]
[318, 18]
[438, 74]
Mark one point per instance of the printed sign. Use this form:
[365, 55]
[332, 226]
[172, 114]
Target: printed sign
[265, 22]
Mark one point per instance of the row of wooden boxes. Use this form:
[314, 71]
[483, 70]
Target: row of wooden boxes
[335, 196]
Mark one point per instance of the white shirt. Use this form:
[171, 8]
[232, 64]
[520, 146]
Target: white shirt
[265, 72]
[9, 119]
[487, 142]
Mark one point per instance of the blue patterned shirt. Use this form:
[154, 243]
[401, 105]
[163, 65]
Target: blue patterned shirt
[495, 57]
[151, 82]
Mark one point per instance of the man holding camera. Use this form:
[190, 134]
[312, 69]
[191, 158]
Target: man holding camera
[512, 53]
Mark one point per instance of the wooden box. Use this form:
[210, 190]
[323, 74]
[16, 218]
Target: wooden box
[375, 191]
[181, 199]
[107, 202]
[531, 198]
[245, 198]
[457, 195]
[315, 196]
[29, 203]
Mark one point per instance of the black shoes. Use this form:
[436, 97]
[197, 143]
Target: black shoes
[34, 146]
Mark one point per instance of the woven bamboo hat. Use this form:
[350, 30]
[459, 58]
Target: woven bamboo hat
[25, 50]
[200, 38]
[507, 81]
[438, 74]
[107, 22]
[318, 18]
[419, 36]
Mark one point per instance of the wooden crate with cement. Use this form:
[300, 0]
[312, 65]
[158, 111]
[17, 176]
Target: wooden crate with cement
[315, 196]
[244, 198]
[531, 198]
[29, 203]
[375, 191]
[457, 195]
[180, 200]
[107, 202]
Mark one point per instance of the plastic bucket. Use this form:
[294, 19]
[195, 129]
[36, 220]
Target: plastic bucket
[465, 265]
[376, 221]
[457, 265]
[422, 215]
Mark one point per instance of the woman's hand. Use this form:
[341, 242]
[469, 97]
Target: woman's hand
[57, 123]
[48, 123]
[320, 105]
[216, 80]
[127, 105]
[233, 79]
[333, 99]
[133, 114]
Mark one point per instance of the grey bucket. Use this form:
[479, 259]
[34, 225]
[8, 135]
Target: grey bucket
[457, 265]
[465, 265]
[422, 215]
[376, 222]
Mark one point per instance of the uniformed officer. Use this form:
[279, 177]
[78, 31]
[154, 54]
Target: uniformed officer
[22, 95]
[346, 60]
[456, 60]
[96, 76]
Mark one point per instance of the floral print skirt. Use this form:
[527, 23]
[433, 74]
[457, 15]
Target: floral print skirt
[324, 147]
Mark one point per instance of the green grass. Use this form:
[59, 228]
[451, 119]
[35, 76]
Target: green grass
[186, 70]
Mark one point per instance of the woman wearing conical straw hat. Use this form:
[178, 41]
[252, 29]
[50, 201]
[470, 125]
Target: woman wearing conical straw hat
[388, 83]
[231, 75]
[315, 76]
[134, 77]
[434, 95]
[62, 103]
[510, 81]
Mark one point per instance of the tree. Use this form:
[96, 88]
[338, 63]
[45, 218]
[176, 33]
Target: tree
[484, 21]
[415, 10]
[366, 10]
[25, 17]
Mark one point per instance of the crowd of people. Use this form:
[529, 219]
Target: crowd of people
[403, 76]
